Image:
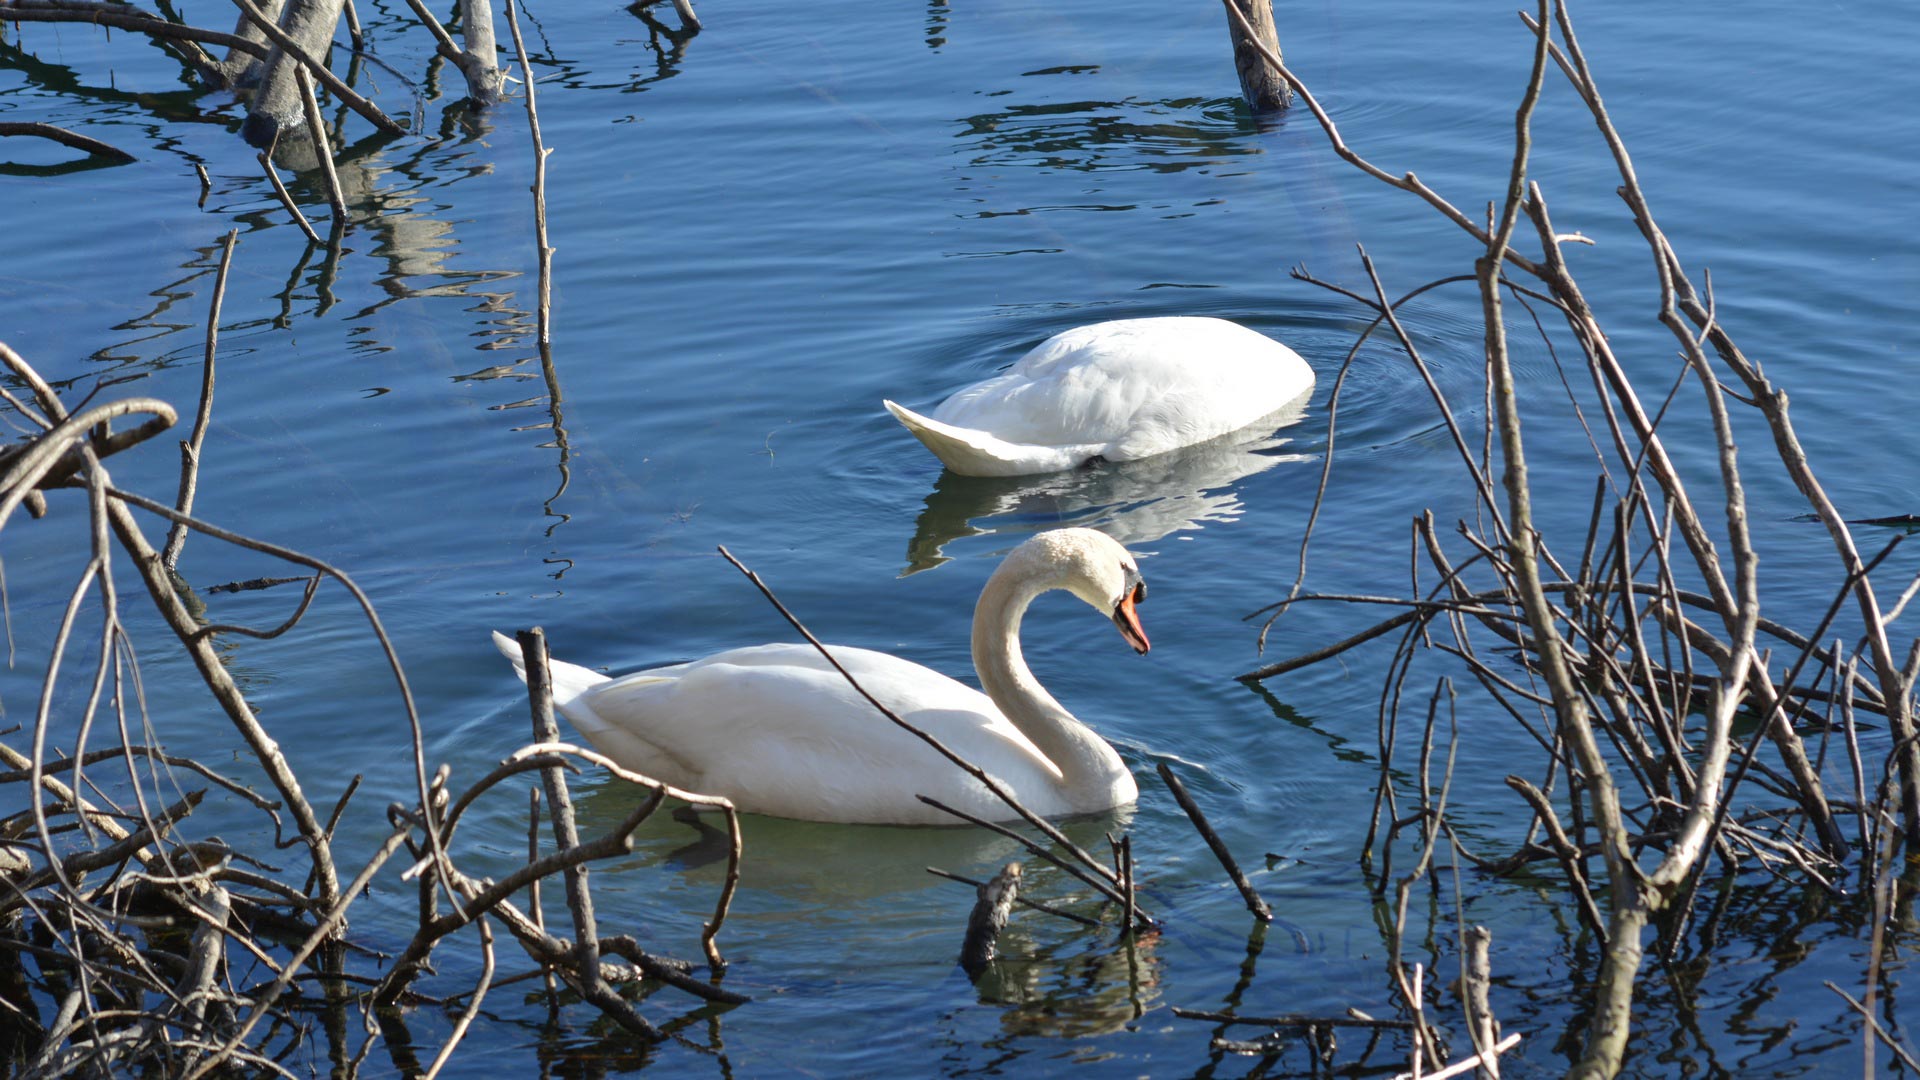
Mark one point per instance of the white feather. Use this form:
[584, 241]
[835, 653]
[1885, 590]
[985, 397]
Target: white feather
[778, 731]
[1120, 390]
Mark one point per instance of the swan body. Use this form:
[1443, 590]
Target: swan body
[778, 731]
[1120, 390]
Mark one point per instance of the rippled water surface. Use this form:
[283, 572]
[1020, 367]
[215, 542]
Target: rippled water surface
[762, 231]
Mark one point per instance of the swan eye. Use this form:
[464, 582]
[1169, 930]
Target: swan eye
[1139, 591]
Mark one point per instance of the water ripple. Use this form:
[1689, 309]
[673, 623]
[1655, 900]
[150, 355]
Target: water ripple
[1103, 136]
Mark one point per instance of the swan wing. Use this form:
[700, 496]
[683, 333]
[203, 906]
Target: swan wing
[778, 731]
[981, 453]
[1132, 388]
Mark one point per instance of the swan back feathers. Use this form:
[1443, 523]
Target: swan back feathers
[1119, 390]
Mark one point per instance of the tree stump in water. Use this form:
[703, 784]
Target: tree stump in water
[242, 69]
[1263, 87]
[988, 919]
[276, 109]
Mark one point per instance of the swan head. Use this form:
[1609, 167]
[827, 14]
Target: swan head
[1092, 566]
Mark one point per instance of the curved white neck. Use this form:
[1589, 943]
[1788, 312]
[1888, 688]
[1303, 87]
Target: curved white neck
[1092, 774]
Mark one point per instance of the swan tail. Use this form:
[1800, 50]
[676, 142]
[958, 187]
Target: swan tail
[569, 680]
[971, 452]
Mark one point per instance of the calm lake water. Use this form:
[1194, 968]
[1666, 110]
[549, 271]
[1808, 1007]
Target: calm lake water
[764, 230]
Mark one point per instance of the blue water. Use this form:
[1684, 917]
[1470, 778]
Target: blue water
[765, 230]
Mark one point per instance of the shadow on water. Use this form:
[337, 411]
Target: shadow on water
[393, 223]
[1135, 502]
[667, 43]
[1098, 136]
[1341, 747]
[183, 105]
[84, 163]
[936, 24]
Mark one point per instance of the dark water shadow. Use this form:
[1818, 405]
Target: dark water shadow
[174, 106]
[667, 43]
[85, 163]
[1099, 136]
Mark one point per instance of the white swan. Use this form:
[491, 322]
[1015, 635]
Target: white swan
[1117, 390]
[778, 731]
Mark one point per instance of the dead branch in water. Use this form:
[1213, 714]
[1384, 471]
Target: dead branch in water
[66, 138]
[1633, 701]
[1033, 905]
[322, 150]
[136, 933]
[1264, 91]
[182, 40]
[190, 449]
[135, 929]
[1218, 846]
[543, 249]
[293, 52]
[989, 917]
[265, 157]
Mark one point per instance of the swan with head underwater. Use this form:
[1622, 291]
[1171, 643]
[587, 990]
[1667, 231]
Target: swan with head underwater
[777, 730]
[1113, 391]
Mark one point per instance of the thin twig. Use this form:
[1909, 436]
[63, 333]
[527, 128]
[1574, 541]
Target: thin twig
[328, 924]
[1097, 883]
[1873, 1025]
[1034, 905]
[190, 449]
[1239, 879]
[1291, 1021]
[322, 149]
[1469, 1064]
[543, 249]
[286, 200]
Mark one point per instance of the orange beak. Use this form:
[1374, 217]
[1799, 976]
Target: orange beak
[1128, 620]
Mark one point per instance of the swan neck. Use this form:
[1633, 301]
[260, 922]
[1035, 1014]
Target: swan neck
[1091, 770]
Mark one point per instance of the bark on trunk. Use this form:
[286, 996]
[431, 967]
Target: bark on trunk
[482, 66]
[1263, 87]
[243, 69]
[276, 110]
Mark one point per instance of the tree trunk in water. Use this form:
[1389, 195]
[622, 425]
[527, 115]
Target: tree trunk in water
[1264, 89]
[276, 110]
[243, 70]
[482, 68]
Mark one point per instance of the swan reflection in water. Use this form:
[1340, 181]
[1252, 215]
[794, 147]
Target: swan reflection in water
[1135, 502]
[823, 870]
